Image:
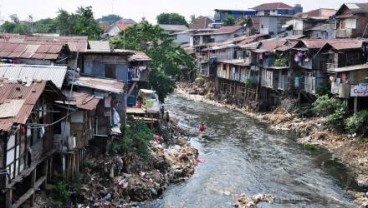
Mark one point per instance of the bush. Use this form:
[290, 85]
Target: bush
[62, 194]
[137, 138]
[336, 119]
[325, 105]
[358, 123]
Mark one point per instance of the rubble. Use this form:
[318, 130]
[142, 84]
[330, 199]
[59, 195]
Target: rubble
[124, 179]
[245, 201]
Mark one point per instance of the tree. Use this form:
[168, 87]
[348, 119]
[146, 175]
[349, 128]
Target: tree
[15, 26]
[85, 24]
[229, 20]
[167, 57]
[110, 19]
[80, 23]
[47, 25]
[171, 19]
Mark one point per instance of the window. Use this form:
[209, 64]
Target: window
[110, 71]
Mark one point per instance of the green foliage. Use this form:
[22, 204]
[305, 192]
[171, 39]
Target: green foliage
[15, 26]
[47, 25]
[324, 89]
[358, 123]
[110, 19]
[137, 137]
[280, 61]
[305, 111]
[171, 19]
[229, 20]
[162, 84]
[325, 105]
[248, 82]
[62, 193]
[167, 57]
[310, 147]
[80, 23]
[336, 119]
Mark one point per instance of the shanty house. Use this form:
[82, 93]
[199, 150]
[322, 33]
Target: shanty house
[26, 138]
[352, 20]
[102, 63]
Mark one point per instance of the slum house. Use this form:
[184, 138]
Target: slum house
[201, 41]
[76, 44]
[26, 144]
[110, 111]
[73, 133]
[305, 74]
[232, 65]
[34, 53]
[352, 20]
[304, 21]
[138, 73]
[346, 66]
[272, 16]
[264, 60]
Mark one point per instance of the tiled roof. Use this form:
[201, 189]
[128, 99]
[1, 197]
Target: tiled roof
[31, 50]
[75, 43]
[18, 100]
[200, 23]
[56, 74]
[272, 6]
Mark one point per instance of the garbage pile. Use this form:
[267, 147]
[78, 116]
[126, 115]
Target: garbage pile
[245, 201]
[119, 180]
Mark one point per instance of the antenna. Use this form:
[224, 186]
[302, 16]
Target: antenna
[112, 6]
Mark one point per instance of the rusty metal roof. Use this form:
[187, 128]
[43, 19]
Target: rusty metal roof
[343, 44]
[82, 100]
[106, 85]
[34, 72]
[30, 50]
[139, 56]
[18, 100]
[75, 43]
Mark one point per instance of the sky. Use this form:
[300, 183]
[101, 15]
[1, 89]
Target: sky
[136, 9]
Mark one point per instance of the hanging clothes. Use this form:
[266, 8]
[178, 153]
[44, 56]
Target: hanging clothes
[116, 117]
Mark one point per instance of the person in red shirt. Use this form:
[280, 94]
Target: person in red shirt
[202, 128]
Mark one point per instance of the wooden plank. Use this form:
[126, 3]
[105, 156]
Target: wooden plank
[135, 111]
[29, 193]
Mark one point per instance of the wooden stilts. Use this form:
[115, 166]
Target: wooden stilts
[33, 185]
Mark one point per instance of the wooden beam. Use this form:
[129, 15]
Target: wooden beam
[29, 193]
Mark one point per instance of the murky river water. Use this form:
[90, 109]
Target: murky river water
[243, 156]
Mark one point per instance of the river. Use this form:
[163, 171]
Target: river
[241, 155]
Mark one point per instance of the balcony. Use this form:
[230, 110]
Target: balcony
[139, 74]
[345, 33]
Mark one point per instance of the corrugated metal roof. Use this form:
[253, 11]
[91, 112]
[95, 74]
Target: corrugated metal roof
[39, 72]
[139, 56]
[107, 85]
[227, 30]
[173, 27]
[99, 46]
[272, 6]
[75, 43]
[10, 108]
[30, 50]
[82, 100]
[18, 101]
[349, 68]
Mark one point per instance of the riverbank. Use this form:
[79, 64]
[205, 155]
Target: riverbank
[351, 151]
[127, 180]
